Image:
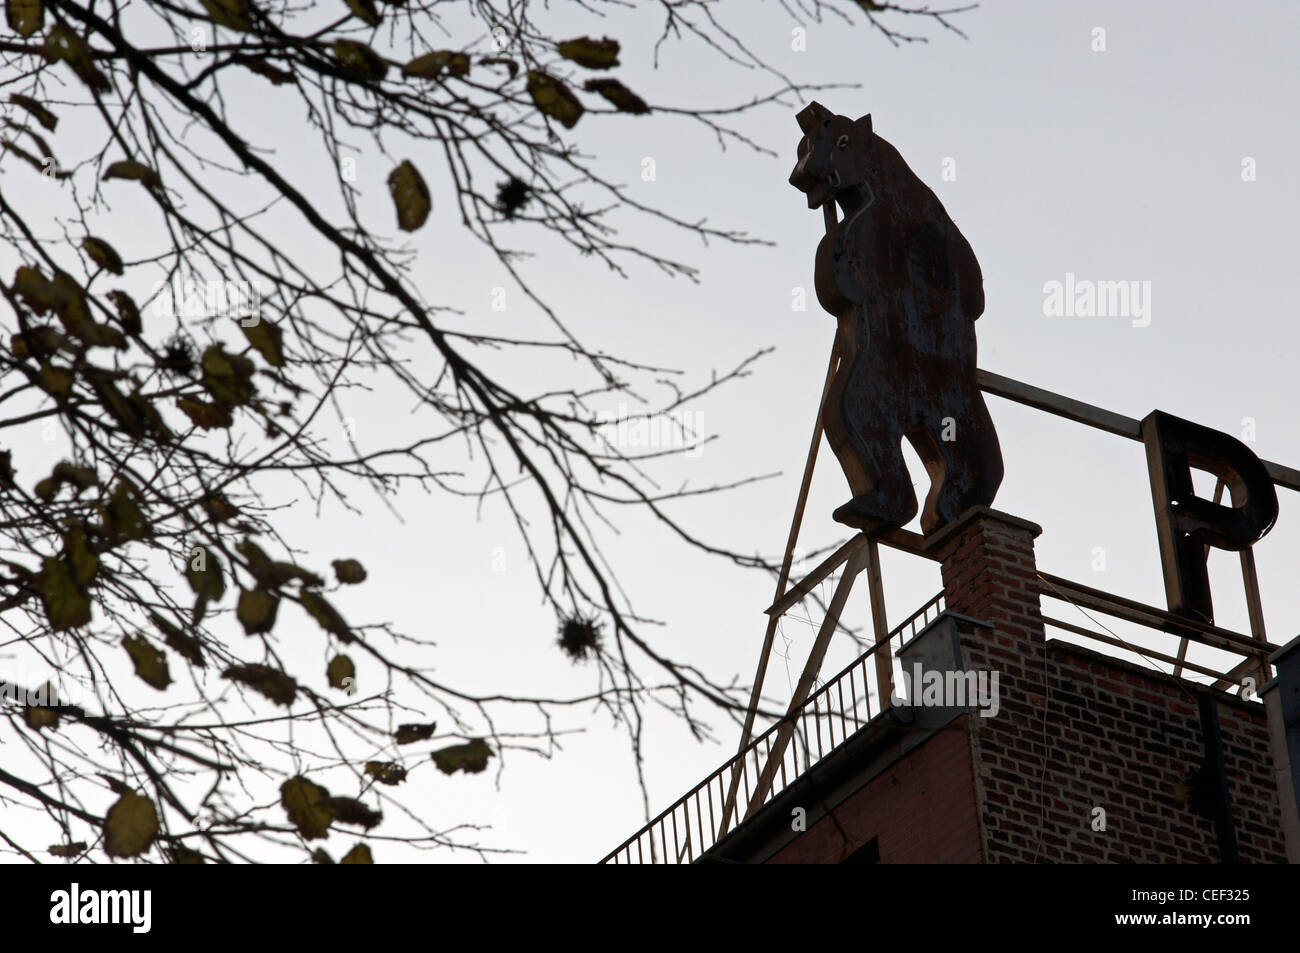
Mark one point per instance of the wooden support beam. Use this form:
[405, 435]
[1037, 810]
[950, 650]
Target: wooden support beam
[1097, 417]
[857, 562]
[884, 662]
[782, 578]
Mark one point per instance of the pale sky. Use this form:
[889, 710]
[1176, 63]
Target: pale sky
[1117, 165]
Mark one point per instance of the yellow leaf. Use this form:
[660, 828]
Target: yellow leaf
[267, 339]
[34, 106]
[349, 571]
[365, 10]
[134, 171]
[130, 826]
[593, 54]
[236, 14]
[470, 758]
[358, 855]
[25, 16]
[554, 99]
[274, 684]
[150, 663]
[302, 803]
[386, 772]
[256, 610]
[321, 856]
[102, 254]
[66, 605]
[615, 92]
[342, 673]
[410, 195]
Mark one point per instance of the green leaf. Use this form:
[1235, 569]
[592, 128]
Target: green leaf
[102, 254]
[256, 610]
[77, 552]
[593, 54]
[272, 683]
[619, 95]
[130, 826]
[342, 673]
[206, 578]
[128, 315]
[184, 855]
[205, 415]
[62, 44]
[349, 571]
[470, 758]
[235, 14]
[56, 381]
[187, 646]
[386, 772]
[302, 801]
[358, 855]
[262, 67]
[326, 616]
[411, 733]
[74, 849]
[365, 10]
[267, 339]
[33, 106]
[359, 60]
[227, 377]
[150, 663]
[348, 810]
[432, 65]
[133, 171]
[25, 16]
[410, 195]
[554, 99]
[321, 856]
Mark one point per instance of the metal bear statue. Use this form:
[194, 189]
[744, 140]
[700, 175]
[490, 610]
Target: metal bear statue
[906, 289]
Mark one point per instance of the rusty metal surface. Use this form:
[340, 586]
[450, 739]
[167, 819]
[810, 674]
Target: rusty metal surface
[905, 289]
[1187, 523]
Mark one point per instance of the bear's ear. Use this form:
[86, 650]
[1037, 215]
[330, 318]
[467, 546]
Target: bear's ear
[864, 125]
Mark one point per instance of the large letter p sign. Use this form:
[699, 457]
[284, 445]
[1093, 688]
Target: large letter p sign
[1187, 523]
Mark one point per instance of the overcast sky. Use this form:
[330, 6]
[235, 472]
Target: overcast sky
[1122, 164]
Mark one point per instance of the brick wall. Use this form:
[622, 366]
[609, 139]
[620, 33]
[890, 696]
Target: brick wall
[920, 810]
[1078, 730]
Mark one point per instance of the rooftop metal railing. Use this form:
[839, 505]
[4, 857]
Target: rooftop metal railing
[825, 721]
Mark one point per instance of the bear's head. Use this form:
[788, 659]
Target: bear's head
[833, 154]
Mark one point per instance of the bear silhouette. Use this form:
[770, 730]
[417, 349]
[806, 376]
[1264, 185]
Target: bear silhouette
[905, 288]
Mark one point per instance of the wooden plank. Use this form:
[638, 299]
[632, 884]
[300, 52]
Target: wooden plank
[884, 663]
[1097, 417]
[782, 578]
[855, 565]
